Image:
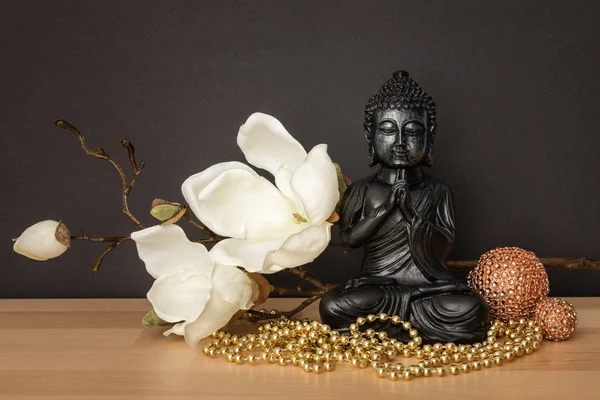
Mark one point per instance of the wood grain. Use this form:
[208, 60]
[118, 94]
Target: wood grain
[97, 349]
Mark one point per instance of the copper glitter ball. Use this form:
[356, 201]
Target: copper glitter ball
[556, 317]
[511, 281]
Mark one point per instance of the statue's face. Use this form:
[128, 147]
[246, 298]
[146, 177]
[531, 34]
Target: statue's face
[399, 137]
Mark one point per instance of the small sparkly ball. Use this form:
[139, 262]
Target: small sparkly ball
[511, 281]
[556, 317]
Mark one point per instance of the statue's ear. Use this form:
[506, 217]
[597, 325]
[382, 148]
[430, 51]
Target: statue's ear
[368, 132]
[431, 137]
[432, 130]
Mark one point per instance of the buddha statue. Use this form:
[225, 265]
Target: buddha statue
[404, 220]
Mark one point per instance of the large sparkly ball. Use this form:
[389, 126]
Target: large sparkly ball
[556, 317]
[511, 281]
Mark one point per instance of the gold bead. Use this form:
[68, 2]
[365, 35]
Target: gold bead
[440, 371]
[282, 361]
[445, 359]
[406, 325]
[528, 350]
[457, 357]
[454, 369]
[418, 371]
[420, 354]
[381, 372]
[438, 347]
[407, 375]
[328, 366]
[252, 359]
[317, 368]
[509, 355]
[476, 365]
[399, 367]
[382, 335]
[396, 320]
[361, 321]
[371, 318]
[363, 364]
[387, 365]
[307, 367]
[465, 368]
[413, 333]
[518, 351]
[406, 353]
[370, 333]
[353, 328]
[383, 317]
[392, 375]
[231, 358]
[498, 360]
[325, 329]
[427, 372]
[487, 363]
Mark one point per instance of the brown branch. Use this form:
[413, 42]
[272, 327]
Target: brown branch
[96, 265]
[307, 277]
[101, 154]
[261, 315]
[298, 290]
[549, 262]
[213, 236]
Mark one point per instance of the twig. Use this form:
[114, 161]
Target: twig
[255, 315]
[549, 262]
[213, 236]
[298, 290]
[101, 154]
[307, 277]
[96, 264]
[83, 236]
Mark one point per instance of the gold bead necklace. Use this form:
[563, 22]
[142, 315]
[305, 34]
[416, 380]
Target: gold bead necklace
[316, 348]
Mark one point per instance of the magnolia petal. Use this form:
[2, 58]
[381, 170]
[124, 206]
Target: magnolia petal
[180, 295]
[195, 184]
[243, 253]
[283, 179]
[268, 145]
[316, 185]
[165, 249]
[39, 241]
[215, 316]
[234, 286]
[242, 205]
[301, 248]
[177, 329]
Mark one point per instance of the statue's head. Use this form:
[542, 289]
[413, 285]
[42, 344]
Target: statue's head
[400, 124]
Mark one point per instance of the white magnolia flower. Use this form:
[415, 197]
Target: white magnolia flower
[191, 290]
[44, 240]
[269, 227]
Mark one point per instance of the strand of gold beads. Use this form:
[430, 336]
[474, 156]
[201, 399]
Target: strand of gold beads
[316, 348]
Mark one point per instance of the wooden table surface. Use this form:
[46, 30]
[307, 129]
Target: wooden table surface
[97, 349]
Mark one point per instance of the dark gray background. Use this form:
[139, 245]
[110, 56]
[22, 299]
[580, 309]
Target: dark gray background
[516, 85]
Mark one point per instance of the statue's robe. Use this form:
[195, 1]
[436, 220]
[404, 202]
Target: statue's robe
[411, 258]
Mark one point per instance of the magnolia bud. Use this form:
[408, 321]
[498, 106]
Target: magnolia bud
[44, 240]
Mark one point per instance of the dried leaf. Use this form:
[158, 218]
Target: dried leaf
[264, 287]
[333, 218]
[158, 202]
[343, 181]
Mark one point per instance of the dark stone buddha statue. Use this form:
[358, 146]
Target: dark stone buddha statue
[404, 220]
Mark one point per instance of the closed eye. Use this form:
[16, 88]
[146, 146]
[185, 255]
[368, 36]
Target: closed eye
[413, 128]
[388, 127]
